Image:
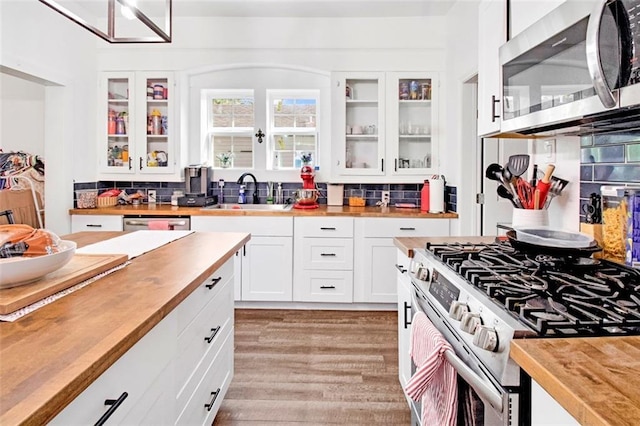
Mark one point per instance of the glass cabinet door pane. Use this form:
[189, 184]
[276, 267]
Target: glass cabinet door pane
[362, 113]
[118, 131]
[414, 123]
[157, 142]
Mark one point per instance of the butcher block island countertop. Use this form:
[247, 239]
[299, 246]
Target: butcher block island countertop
[48, 357]
[596, 379]
[322, 210]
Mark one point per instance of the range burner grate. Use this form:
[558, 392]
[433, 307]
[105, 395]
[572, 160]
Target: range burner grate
[554, 296]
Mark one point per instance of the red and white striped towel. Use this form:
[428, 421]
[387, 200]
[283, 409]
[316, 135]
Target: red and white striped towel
[435, 380]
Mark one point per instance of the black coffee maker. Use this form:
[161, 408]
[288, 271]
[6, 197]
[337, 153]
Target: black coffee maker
[197, 179]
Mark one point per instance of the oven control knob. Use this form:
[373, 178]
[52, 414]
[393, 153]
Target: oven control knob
[486, 338]
[458, 309]
[470, 322]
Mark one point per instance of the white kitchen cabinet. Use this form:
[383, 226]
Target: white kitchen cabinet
[385, 124]
[80, 223]
[374, 273]
[492, 15]
[178, 373]
[402, 265]
[265, 262]
[137, 126]
[323, 259]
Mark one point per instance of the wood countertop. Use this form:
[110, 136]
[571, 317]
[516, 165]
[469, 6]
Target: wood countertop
[323, 210]
[596, 379]
[48, 357]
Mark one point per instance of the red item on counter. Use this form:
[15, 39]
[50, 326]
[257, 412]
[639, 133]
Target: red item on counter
[545, 183]
[424, 197]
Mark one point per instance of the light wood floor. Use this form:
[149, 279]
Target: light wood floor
[315, 367]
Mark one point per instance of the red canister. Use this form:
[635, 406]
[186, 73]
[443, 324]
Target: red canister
[424, 197]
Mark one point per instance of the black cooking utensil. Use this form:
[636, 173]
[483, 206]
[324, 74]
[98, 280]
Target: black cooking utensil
[494, 172]
[534, 179]
[518, 164]
[556, 188]
[504, 193]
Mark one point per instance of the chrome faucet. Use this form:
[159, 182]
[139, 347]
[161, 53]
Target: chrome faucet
[255, 186]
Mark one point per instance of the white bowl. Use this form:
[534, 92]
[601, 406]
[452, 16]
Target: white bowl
[18, 271]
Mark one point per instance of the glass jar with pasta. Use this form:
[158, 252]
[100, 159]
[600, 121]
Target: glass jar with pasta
[615, 218]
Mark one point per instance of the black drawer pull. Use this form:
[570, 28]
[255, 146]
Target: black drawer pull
[408, 229]
[215, 394]
[407, 323]
[213, 282]
[324, 228]
[327, 286]
[328, 254]
[114, 403]
[401, 268]
[94, 226]
[213, 334]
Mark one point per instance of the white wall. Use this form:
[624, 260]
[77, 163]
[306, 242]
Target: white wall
[21, 115]
[60, 55]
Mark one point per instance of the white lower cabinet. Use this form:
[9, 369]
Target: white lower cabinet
[178, 373]
[404, 317]
[265, 263]
[323, 259]
[95, 222]
[374, 270]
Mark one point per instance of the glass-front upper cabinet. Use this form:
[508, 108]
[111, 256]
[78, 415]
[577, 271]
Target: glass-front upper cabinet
[359, 113]
[411, 122]
[136, 137]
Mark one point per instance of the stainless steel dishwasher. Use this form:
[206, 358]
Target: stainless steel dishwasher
[156, 223]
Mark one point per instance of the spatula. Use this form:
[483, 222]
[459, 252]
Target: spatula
[518, 164]
[544, 184]
[557, 185]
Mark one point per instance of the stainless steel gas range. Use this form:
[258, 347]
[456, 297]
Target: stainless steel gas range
[481, 296]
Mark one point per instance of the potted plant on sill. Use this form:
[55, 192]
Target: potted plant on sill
[225, 159]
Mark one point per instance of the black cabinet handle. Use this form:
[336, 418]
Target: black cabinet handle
[382, 162]
[209, 339]
[94, 226]
[213, 282]
[215, 394]
[407, 229]
[494, 101]
[244, 250]
[129, 163]
[114, 403]
[395, 166]
[328, 254]
[323, 228]
[327, 286]
[407, 323]
[140, 163]
[401, 268]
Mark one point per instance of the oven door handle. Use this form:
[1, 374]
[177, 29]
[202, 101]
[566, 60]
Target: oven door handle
[485, 389]
[146, 222]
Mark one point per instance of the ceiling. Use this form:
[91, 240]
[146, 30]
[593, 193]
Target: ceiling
[91, 9]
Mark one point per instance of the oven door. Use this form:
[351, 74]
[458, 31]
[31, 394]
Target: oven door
[481, 400]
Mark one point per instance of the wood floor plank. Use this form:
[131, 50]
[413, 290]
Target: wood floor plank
[297, 367]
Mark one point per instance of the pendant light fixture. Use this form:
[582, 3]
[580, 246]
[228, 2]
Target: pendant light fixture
[130, 11]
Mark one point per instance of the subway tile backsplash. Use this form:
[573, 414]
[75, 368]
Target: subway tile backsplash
[400, 193]
[608, 159]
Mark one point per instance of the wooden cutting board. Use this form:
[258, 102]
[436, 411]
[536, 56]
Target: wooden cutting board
[81, 267]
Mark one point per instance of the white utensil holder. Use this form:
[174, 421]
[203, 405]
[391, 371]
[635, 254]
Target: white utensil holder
[530, 217]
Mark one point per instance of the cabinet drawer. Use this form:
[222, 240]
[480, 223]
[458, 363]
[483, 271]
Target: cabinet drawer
[326, 286]
[190, 307]
[133, 373]
[211, 377]
[391, 227]
[255, 225]
[90, 222]
[201, 340]
[325, 227]
[327, 253]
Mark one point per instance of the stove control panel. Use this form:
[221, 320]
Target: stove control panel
[470, 322]
[457, 310]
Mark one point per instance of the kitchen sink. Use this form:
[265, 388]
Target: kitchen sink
[254, 207]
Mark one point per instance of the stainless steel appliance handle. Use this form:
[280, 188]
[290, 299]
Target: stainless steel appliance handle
[594, 63]
[146, 223]
[485, 390]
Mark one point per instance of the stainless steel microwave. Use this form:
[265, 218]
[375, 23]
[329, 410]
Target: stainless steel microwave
[578, 67]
